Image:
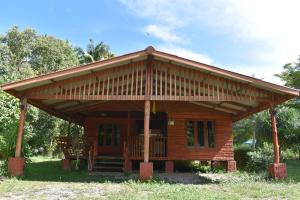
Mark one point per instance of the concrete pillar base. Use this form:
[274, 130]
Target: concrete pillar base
[231, 166]
[16, 166]
[127, 166]
[278, 170]
[65, 164]
[146, 171]
[169, 166]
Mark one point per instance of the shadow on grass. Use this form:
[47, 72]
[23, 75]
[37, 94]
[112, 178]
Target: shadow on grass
[293, 170]
[51, 171]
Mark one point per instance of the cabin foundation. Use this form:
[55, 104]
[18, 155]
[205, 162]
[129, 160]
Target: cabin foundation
[66, 164]
[231, 166]
[16, 166]
[169, 166]
[278, 170]
[146, 171]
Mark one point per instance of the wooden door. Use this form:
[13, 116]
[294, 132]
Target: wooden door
[109, 139]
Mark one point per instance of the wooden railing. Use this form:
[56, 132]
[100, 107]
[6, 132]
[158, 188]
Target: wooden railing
[65, 145]
[157, 147]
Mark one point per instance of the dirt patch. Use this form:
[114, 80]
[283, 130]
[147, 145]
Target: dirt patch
[190, 178]
[63, 191]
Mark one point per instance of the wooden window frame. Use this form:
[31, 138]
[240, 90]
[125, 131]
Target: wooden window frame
[113, 134]
[196, 142]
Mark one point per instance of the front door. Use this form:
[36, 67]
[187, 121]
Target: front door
[109, 139]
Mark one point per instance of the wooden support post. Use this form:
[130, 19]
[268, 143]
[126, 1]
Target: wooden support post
[146, 167]
[16, 164]
[146, 131]
[274, 135]
[23, 108]
[127, 162]
[276, 170]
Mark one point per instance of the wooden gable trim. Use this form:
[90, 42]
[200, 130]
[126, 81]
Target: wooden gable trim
[73, 70]
[90, 68]
[226, 73]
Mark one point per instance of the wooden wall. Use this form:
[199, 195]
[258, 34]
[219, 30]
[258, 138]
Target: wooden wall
[179, 112]
[177, 145]
[91, 126]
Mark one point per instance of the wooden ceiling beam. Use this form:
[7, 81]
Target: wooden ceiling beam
[85, 107]
[261, 107]
[219, 105]
[202, 104]
[40, 105]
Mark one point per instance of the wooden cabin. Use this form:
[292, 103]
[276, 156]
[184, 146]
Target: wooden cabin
[150, 105]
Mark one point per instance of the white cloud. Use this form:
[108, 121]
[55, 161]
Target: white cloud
[163, 33]
[185, 53]
[273, 26]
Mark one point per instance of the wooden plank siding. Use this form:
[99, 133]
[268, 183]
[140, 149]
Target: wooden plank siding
[177, 148]
[168, 82]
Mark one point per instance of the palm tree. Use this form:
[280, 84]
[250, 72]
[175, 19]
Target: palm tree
[93, 52]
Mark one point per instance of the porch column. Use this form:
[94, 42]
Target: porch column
[126, 153]
[146, 167]
[16, 164]
[277, 170]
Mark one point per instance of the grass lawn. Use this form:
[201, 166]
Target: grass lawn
[45, 180]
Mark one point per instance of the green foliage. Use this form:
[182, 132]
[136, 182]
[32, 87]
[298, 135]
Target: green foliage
[50, 54]
[259, 159]
[194, 166]
[291, 74]
[93, 52]
[241, 155]
[24, 54]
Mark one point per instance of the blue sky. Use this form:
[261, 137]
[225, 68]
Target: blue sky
[249, 37]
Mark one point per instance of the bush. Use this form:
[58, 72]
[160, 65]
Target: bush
[288, 154]
[188, 166]
[240, 155]
[259, 159]
[8, 146]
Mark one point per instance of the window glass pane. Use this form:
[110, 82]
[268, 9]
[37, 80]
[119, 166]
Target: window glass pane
[200, 133]
[108, 134]
[190, 133]
[100, 135]
[211, 134]
[116, 135]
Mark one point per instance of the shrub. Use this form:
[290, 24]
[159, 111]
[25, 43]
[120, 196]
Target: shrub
[288, 154]
[188, 166]
[240, 155]
[8, 146]
[259, 159]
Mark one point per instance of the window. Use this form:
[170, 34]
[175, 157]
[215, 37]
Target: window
[101, 135]
[109, 135]
[211, 133]
[117, 135]
[190, 133]
[200, 127]
[200, 133]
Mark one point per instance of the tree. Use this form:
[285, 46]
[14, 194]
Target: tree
[291, 76]
[50, 54]
[93, 52]
[24, 54]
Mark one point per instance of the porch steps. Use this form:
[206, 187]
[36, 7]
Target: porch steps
[108, 164]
